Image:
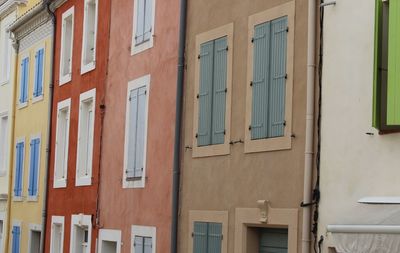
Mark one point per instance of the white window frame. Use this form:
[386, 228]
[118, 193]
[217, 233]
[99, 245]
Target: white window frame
[33, 228]
[92, 65]
[148, 44]
[18, 87]
[4, 162]
[40, 97]
[132, 85]
[19, 198]
[57, 220]
[62, 183]
[87, 180]
[66, 78]
[3, 32]
[80, 220]
[34, 198]
[144, 231]
[3, 219]
[110, 236]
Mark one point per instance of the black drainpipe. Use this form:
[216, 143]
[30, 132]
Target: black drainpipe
[178, 121]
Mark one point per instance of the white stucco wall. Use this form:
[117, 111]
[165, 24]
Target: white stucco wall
[353, 164]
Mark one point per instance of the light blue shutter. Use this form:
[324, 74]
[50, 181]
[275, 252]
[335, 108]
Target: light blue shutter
[261, 76]
[200, 237]
[39, 87]
[23, 81]
[273, 241]
[148, 245]
[140, 14]
[18, 169]
[26, 80]
[31, 167]
[133, 109]
[148, 26]
[138, 244]
[16, 239]
[36, 167]
[205, 93]
[17, 165]
[219, 90]
[214, 237]
[37, 70]
[140, 132]
[276, 119]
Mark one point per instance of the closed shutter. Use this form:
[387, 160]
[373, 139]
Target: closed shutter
[140, 14]
[219, 90]
[214, 237]
[36, 84]
[138, 244]
[260, 85]
[148, 19]
[273, 241]
[16, 239]
[148, 245]
[133, 109]
[393, 87]
[140, 134]
[39, 87]
[24, 81]
[276, 110]
[31, 168]
[200, 237]
[205, 93]
[36, 144]
[18, 169]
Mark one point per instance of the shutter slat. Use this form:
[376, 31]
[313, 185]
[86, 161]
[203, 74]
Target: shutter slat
[138, 244]
[200, 237]
[36, 170]
[274, 241]
[148, 20]
[219, 91]
[31, 168]
[36, 84]
[26, 80]
[41, 72]
[140, 14]
[214, 237]
[148, 245]
[133, 108]
[140, 134]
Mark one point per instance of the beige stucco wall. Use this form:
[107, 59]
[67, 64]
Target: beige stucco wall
[353, 164]
[238, 180]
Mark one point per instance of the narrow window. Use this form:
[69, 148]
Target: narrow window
[5, 51]
[273, 240]
[269, 79]
[16, 239]
[57, 234]
[24, 79]
[1, 233]
[89, 33]
[85, 138]
[143, 244]
[3, 144]
[67, 35]
[62, 141]
[35, 242]
[34, 167]
[207, 237]
[143, 25]
[212, 92]
[19, 167]
[39, 73]
[80, 234]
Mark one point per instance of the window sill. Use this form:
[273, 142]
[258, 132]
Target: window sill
[32, 198]
[22, 105]
[137, 183]
[17, 198]
[83, 181]
[88, 67]
[2, 83]
[65, 79]
[3, 173]
[141, 47]
[266, 145]
[211, 150]
[60, 183]
[37, 99]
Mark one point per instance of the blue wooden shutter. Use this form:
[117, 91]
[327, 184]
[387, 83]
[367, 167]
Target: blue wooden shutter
[40, 67]
[148, 245]
[140, 132]
[200, 237]
[261, 76]
[18, 169]
[214, 237]
[16, 239]
[273, 240]
[138, 244]
[219, 90]
[24, 81]
[31, 168]
[17, 165]
[148, 19]
[277, 93]
[140, 14]
[205, 93]
[36, 145]
[133, 109]
[36, 84]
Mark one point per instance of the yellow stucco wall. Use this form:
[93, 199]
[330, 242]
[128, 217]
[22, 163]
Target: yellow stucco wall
[29, 4]
[31, 120]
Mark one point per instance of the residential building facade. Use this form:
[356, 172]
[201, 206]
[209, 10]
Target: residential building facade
[244, 127]
[359, 208]
[139, 125]
[32, 35]
[80, 62]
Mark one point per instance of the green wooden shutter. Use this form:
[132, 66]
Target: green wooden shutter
[261, 76]
[393, 89]
[377, 49]
[205, 93]
[277, 87]
[200, 237]
[273, 240]
[219, 90]
[214, 236]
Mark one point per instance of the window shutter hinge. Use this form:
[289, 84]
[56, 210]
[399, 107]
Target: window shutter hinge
[251, 83]
[284, 123]
[226, 90]
[287, 29]
[197, 96]
[227, 48]
[192, 234]
[197, 135]
[250, 128]
[198, 57]
[286, 76]
[252, 40]
[222, 237]
[224, 132]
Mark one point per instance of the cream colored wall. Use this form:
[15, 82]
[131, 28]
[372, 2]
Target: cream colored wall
[353, 164]
[29, 4]
[32, 120]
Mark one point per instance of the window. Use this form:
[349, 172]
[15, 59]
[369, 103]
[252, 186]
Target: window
[62, 144]
[1, 234]
[5, 50]
[89, 36]
[34, 238]
[81, 233]
[3, 143]
[136, 133]
[57, 234]
[143, 25]
[34, 165]
[39, 74]
[213, 92]
[386, 116]
[16, 239]
[143, 239]
[109, 241]
[85, 138]
[67, 40]
[23, 82]
[19, 169]
[270, 79]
